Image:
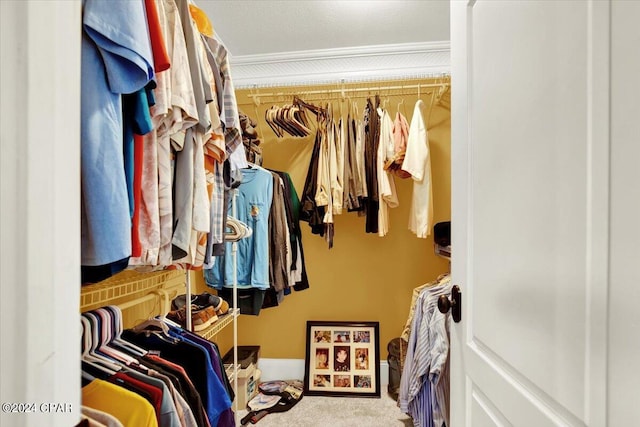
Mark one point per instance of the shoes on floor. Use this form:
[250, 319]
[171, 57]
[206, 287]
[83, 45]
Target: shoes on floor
[203, 300]
[201, 317]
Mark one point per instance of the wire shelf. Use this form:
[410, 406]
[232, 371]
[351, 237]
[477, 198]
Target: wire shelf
[230, 371]
[221, 323]
[127, 285]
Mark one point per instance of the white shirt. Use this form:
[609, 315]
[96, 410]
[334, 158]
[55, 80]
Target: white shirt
[417, 162]
[387, 194]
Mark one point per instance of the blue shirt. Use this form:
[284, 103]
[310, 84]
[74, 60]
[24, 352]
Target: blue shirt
[116, 59]
[217, 400]
[253, 202]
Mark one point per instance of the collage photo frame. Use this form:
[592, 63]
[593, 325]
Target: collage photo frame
[342, 359]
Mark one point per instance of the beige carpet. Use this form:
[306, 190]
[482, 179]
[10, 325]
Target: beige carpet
[320, 411]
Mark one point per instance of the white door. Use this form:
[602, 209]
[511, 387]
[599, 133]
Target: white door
[546, 213]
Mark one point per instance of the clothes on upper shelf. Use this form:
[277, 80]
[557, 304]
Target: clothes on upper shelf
[354, 164]
[155, 375]
[424, 385]
[159, 120]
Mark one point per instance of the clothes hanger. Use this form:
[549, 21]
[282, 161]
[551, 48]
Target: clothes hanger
[107, 339]
[237, 230]
[282, 122]
[116, 316]
[269, 118]
[89, 370]
[95, 352]
[159, 327]
[106, 367]
[401, 104]
[288, 123]
[151, 325]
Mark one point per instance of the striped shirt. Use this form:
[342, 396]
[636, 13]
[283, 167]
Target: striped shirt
[419, 407]
[427, 362]
[229, 110]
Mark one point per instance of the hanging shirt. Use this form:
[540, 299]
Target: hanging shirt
[388, 197]
[417, 162]
[427, 360]
[352, 182]
[279, 243]
[128, 407]
[441, 280]
[371, 141]
[175, 111]
[253, 203]
[102, 417]
[116, 59]
[337, 178]
[229, 114]
[168, 415]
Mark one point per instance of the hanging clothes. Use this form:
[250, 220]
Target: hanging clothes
[352, 181]
[424, 385]
[115, 61]
[371, 141]
[171, 385]
[417, 162]
[160, 173]
[196, 359]
[387, 194]
[298, 272]
[253, 203]
[128, 407]
[310, 212]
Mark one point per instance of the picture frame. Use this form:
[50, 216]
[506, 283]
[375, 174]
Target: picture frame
[342, 359]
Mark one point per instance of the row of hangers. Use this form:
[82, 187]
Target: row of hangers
[104, 352]
[236, 230]
[291, 118]
[288, 118]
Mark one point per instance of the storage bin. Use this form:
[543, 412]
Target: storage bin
[247, 354]
[248, 374]
[248, 380]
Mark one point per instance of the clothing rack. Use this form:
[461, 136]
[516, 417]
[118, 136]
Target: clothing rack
[352, 92]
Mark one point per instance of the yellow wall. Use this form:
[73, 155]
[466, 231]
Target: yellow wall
[364, 277]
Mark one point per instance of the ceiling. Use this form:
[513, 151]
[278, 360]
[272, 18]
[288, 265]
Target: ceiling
[266, 27]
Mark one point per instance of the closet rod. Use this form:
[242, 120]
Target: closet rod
[155, 294]
[344, 90]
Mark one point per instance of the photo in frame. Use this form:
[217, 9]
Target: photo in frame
[342, 359]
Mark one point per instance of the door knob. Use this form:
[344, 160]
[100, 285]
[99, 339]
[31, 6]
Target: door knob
[455, 303]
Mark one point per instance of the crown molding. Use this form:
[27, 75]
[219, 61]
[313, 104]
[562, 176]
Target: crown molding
[353, 64]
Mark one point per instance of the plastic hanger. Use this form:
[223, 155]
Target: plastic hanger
[96, 342]
[90, 359]
[116, 316]
[237, 230]
[151, 325]
[268, 117]
[107, 339]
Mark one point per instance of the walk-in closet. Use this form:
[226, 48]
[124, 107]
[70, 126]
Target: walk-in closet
[319, 213]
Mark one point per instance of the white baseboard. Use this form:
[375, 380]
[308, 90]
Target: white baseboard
[284, 369]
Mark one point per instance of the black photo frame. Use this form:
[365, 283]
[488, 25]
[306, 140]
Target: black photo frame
[342, 359]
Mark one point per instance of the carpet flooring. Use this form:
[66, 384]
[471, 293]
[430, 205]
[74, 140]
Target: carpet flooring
[321, 411]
